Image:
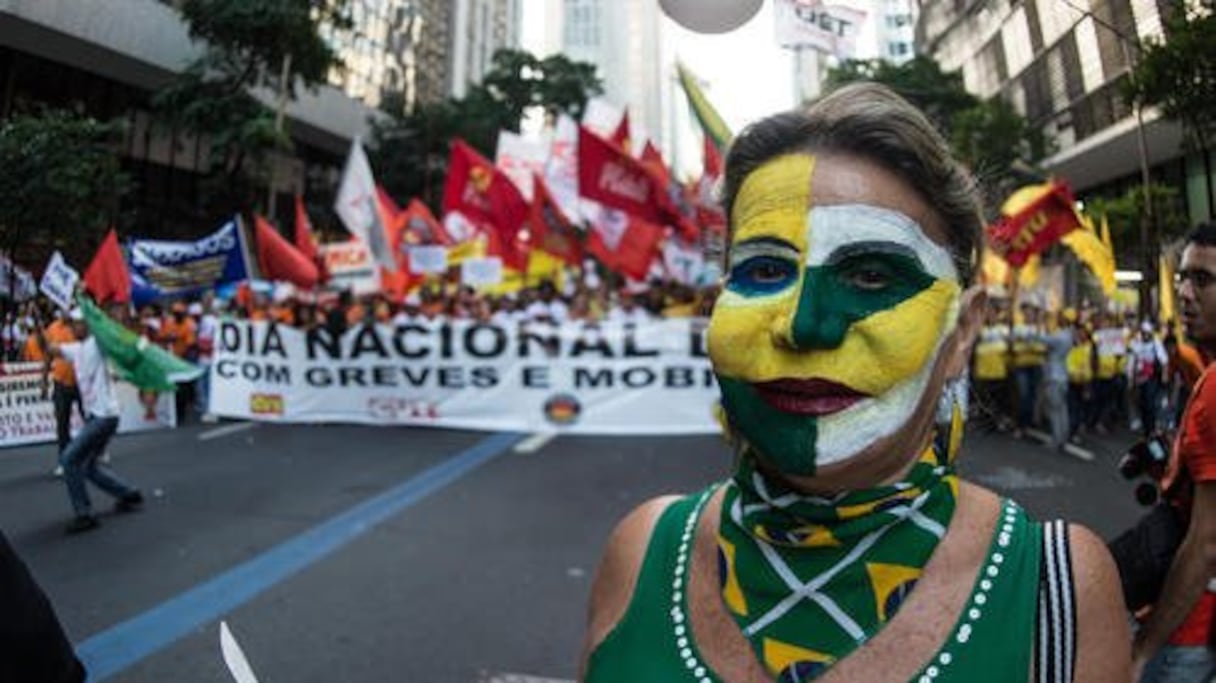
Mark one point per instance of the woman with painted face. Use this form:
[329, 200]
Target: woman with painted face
[843, 547]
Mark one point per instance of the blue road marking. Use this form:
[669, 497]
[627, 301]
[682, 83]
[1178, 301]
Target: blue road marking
[123, 645]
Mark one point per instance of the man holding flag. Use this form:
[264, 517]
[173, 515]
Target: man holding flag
[80, 458]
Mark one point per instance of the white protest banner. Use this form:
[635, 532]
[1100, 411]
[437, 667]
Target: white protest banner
[481, 272]
[27, 418]
[59, 281]
[428, 259]
[830, 28]
[519, 158]
[588, 379]
[350, 267]
[358, 206]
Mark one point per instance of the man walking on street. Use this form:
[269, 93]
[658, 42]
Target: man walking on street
[1174, 643]
[80, 458]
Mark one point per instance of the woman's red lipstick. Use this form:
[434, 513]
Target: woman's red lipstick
[808, 396]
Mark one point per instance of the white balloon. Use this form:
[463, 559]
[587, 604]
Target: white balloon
[711, 16]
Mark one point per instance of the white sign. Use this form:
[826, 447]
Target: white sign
[27, 418]
[459, 227]
[59, 281]
[350, 267]
[428, 259]
[481, 272]
[602, 378]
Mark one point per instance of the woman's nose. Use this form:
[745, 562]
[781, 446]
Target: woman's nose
[815, 321]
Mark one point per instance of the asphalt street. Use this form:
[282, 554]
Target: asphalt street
[341, 553]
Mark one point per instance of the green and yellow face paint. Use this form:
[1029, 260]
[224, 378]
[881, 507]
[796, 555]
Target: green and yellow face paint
[825, 335]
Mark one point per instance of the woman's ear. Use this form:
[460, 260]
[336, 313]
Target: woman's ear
[970, 322]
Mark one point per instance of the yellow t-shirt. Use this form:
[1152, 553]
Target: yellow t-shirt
[1080, 363]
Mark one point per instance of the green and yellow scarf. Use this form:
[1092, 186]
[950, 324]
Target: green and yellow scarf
[809, 579]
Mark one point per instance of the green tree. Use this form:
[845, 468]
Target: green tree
[410, 150]
[61, 181]
[987, 135]
[1179, 75]
[1123, 214]
[248, 43]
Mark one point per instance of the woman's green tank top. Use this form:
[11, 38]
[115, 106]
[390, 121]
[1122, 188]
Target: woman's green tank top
[993, 639]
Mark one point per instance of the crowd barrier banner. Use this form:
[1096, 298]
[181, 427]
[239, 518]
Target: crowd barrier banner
[27, 418]
[611, 379]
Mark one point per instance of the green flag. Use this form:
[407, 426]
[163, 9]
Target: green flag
[135, 359]
[711, 122]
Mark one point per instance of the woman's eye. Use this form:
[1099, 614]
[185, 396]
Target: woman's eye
[768, 271]
[763, 274]
[869, 276]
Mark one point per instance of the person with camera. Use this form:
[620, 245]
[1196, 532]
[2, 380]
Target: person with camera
[1175, 641]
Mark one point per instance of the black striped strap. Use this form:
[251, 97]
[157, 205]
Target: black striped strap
[1056, 639]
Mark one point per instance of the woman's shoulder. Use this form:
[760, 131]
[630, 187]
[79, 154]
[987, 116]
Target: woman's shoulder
[616, 577]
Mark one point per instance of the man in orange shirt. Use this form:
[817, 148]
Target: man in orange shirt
[64, 392]
[179, 333]
[1174, 643]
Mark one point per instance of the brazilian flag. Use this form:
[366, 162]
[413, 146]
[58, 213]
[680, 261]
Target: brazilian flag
[134, 358]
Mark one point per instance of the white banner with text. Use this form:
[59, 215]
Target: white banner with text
[577, 378]
[26, 417]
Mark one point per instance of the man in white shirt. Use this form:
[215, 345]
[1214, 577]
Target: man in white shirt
[1145, 366]
[80, 458]
[627, 310]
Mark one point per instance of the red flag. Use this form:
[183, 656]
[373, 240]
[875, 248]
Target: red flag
[653, 160]
[107, 278]
[620, 136]
[615, 179]
[1036, 227]
[279, 260]
[480, 191]
[420, 227]
[711, 162]
[626, 244]
[551, 230]
[305, 242]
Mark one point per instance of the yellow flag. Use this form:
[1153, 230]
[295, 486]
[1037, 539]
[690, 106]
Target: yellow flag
[1028, 274]
[1095, 255]
[1167, 312]
[993, 269]
[1110, 246]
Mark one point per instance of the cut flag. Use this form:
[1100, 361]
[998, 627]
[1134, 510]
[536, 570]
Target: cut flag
[107, 277]
[279, 260]
[133, 357]
[551, 229]
[357, 205]
[484, 193]
[1032, 219]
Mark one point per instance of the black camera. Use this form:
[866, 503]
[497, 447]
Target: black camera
[1146, 457]
[1149, 458]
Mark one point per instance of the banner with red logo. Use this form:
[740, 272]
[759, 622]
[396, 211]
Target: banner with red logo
[653, 378]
